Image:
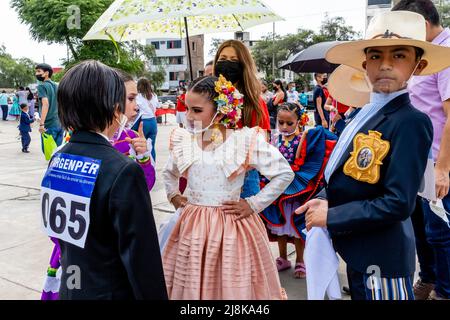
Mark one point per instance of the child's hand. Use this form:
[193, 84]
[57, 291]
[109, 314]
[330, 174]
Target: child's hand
[139, 144]
[179, 201]
[240, 208]
[316, 213]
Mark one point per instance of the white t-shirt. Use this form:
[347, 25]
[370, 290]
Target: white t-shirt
[22, 96]
[292, 97]
[147, 108]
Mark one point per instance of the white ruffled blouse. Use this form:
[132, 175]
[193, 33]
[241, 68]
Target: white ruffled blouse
[218, 175]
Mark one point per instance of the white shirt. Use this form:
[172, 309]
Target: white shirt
[147, 108]
[292, 96]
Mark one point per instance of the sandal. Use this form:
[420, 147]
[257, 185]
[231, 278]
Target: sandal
[300, 270]
[283, 264]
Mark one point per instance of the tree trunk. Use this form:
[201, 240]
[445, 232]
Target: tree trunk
[72, 49]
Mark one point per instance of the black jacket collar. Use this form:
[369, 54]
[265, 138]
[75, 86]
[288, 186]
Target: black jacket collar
[396, 104]
[89, 137]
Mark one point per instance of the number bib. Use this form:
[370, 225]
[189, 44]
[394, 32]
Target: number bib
[66, 192]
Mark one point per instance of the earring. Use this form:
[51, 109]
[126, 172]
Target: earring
[216, 135]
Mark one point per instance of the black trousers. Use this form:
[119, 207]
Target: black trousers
[5, 112]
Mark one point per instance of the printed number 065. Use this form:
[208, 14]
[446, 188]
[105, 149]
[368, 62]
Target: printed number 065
[57, 212]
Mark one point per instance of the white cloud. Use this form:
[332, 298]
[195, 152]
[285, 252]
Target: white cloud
[17, 39]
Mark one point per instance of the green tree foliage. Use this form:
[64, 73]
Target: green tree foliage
[55, 21]
[15, 72]
[215, 44]
[48, 20]
[444, 13]
[284, 47]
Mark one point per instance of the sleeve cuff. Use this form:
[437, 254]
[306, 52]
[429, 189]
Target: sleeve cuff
[173, 195]
[253, 205]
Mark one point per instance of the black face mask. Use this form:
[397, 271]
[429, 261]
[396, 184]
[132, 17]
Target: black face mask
[325, 81]
[231, 70]
[40, 78]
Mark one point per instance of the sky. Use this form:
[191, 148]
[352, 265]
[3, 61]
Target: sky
[297, 14]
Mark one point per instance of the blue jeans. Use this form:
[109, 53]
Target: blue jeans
[251, 184]
[438, 236]
[57, 133]
[150, 131]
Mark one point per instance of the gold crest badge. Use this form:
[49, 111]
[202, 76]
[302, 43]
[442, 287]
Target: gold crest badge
[369, 150]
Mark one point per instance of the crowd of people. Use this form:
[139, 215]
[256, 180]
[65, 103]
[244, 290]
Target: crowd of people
[247, 167]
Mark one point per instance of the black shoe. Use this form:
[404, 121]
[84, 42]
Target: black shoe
[25, 151]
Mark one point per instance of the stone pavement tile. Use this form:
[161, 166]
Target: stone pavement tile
[26, 264]
[8, 192]
[13, 291]
[19, 222]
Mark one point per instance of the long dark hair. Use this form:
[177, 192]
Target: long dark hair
[30, 94]
[279, 83]
[250, 87]
[144, 87]
[291, 107]
[126, 77]
[205, 86]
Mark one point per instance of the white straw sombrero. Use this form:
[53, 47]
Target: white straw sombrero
[394, 28]
[349, 86]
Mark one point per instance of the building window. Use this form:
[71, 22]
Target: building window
[175, 44]
[176, 60]
[193, 46]
[386, 3]
[155, 44]
[173, 76]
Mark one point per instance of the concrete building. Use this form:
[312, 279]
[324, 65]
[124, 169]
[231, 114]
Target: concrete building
[172, 56]
[245, 38]
[375, 7]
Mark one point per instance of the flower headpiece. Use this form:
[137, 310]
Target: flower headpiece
[303, 116]
[229, 102]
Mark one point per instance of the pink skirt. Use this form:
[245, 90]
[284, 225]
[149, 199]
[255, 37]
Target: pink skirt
[209, 256]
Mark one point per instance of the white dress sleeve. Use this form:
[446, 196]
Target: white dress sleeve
[181, 156]
[171, 176]
[269, 162]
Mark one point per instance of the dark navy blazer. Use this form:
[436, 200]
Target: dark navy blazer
[370, 224]
[25, 121]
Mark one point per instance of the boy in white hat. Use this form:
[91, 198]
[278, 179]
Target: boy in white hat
[375, 171]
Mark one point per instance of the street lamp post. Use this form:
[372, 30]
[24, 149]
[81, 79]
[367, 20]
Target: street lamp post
[273, 52]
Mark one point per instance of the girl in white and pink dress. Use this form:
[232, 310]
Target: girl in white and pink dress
[219, 247]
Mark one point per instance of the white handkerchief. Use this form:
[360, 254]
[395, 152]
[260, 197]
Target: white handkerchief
[322, 266]
[165, 230]
[428, 185]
